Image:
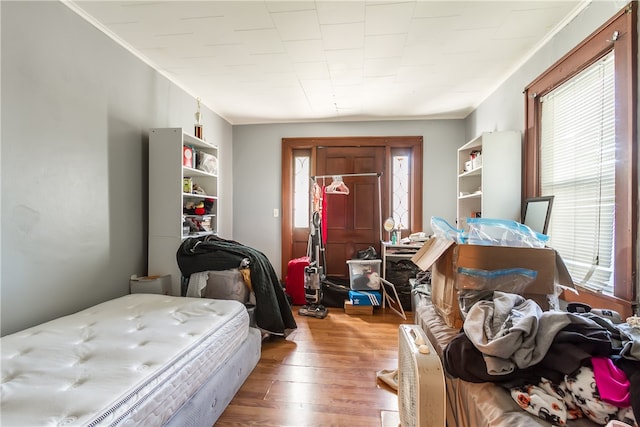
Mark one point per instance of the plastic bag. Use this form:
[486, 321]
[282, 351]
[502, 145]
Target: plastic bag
[442, 229]
[476, 285]
[501, 232]
[513, 280]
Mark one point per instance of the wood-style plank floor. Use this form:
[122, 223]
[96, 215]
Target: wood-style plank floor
[323, 374]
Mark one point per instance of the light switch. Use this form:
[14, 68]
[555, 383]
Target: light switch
[276, 212]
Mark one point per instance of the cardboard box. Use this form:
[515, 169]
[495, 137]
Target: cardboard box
[365, 298]
[349, 308]
[150, 285]
[364, 274]
[444, 257]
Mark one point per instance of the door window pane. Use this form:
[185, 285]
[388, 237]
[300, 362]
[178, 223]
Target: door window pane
[400, 190]
[301, 191]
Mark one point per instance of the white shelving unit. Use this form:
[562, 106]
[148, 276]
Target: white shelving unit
[491, 187]
[167, 198]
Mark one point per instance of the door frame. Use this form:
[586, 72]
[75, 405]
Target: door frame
[289, 145]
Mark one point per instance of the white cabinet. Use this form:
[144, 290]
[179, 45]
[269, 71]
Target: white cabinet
[397, 252]
[172, 202]
[489, 177]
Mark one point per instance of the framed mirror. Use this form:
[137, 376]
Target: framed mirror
[388, 225]
[536, 213]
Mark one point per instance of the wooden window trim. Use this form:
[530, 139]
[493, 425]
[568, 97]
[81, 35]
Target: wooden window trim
[586, 53]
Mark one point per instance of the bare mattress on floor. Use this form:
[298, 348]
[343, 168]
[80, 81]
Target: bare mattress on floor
[134, 360]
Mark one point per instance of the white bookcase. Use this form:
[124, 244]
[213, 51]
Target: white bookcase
[490, 185]
[168, 198]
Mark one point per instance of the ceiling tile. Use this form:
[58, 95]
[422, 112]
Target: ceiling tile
[322, 60]
[340, 12]
[343, 36]
[300, 25]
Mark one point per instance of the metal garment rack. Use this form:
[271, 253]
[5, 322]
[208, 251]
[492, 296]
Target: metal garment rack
[392, 300]
[376, 174]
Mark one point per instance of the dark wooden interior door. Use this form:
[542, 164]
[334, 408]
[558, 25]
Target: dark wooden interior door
[353, 220]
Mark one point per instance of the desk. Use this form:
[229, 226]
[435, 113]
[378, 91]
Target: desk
[397, 251]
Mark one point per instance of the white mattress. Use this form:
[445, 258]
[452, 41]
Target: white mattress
[130, 361]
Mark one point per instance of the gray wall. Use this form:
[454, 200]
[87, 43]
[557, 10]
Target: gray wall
[504, 109]
[257, 172]
[76, 109]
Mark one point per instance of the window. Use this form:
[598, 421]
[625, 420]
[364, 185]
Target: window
[577, 166]
[400, 191]
[301, 187]
[581, 147]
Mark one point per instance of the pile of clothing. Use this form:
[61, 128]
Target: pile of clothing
[557, 365]
[272, 312]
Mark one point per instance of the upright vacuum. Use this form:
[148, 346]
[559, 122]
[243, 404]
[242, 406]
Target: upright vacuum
[314, 273]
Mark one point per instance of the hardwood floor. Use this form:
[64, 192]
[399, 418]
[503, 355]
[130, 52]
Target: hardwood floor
[323, 374]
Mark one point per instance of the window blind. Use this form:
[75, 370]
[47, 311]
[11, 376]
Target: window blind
[577, 154]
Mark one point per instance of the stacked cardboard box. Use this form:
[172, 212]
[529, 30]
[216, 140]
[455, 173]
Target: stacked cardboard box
[362, 302]
[445, 257]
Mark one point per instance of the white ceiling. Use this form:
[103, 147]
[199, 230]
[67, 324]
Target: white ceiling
[290, 61]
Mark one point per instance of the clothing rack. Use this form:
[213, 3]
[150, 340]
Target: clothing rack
[392, 300]
[376, 174]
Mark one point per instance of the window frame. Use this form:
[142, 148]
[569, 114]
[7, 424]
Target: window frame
[401, 151]
[586, 53]
[300, 153]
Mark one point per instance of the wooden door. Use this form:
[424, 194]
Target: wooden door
[353, 220]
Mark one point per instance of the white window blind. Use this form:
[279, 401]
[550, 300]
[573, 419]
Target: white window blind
[578, 168]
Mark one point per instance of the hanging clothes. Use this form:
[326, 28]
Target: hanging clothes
[323, 216]
[316, 197]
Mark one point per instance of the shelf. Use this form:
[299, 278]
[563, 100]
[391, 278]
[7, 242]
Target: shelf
[199, 196]
[474, 172]
[471, 196]
[493, 187]
[167, 199]
[200, 234]
[398, 255]
[398, 251]
[196, 142]
[189, 172]
[211, 215]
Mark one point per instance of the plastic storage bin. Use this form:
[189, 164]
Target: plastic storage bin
[364, 274]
